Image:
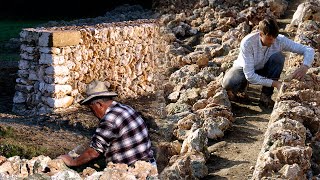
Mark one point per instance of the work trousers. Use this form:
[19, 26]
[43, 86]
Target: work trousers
[235, 80]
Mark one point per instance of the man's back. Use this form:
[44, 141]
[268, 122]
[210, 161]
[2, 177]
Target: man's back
[122, 135]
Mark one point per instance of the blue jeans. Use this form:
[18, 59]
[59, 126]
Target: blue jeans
[235, 81]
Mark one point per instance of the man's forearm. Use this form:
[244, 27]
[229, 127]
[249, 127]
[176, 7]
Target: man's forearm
[88, 155]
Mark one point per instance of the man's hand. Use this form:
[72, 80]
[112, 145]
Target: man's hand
[68, 160]
[88, 155]
[277, 84]
[300, 72]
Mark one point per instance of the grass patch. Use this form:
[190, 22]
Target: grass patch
[10, 147]
[24, 151]
[12, 28]
[9, 57]
[7, 132]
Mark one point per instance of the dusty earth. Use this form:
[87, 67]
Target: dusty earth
[232, 157]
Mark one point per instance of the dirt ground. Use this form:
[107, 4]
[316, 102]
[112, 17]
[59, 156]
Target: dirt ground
[233, 156]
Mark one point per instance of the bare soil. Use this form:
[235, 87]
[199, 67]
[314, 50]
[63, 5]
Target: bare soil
[233, 156]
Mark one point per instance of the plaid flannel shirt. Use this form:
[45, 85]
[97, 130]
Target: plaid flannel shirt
[122, 135]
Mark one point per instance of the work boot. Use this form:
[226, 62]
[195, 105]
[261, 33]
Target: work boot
[231, 95]
[266, 101]
[241, 97]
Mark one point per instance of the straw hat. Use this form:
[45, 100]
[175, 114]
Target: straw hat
[97, 89]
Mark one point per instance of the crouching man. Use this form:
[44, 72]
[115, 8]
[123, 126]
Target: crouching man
[122, 135]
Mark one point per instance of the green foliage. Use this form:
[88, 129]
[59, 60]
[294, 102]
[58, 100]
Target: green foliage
[11, 29]
[9, 57]
[24, 151]
[9, 148]
[6, 132]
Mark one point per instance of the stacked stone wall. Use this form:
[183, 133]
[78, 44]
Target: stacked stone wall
[291, 146]
[57, 63]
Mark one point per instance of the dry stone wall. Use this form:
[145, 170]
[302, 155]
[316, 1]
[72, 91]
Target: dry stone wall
[57, 63]
[291, 146]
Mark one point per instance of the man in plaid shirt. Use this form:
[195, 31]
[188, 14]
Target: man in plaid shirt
[122, 135]
[260, 61]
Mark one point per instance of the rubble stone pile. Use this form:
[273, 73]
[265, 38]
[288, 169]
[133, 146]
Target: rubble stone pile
[43, 167]
[202, 44]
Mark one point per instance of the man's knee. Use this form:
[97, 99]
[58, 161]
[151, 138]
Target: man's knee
[277, 58]
[233, 79]
[226, 81]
